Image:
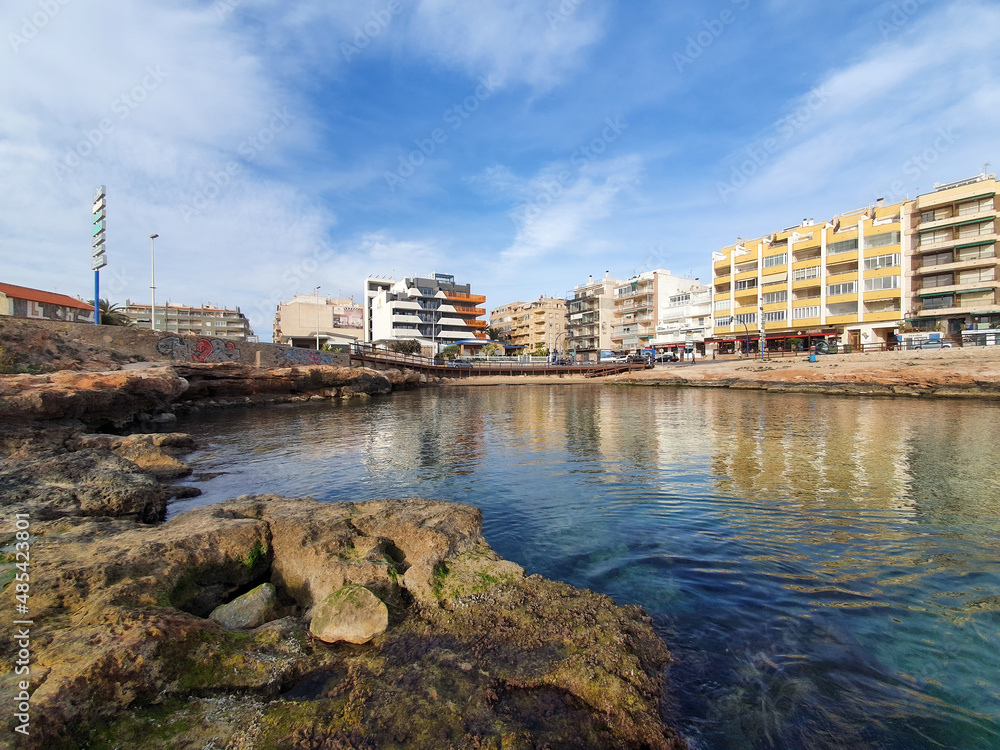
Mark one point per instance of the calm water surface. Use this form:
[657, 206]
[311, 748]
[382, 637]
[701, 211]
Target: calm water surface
[826, 571]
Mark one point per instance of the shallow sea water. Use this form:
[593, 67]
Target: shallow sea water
[826, 571]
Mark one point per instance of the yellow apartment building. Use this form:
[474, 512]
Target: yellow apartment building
[840, 280]
[536, 325]
[951, 240]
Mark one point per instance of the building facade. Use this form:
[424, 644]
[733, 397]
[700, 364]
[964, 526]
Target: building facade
[537, 326]
[649, 311]
[502, 320]
[686, 321]
[432, 310]
[952, 265]
[25, 302]
[206, 320]
[306, 315]
[591, 317]
[838, 281]
[927, 264]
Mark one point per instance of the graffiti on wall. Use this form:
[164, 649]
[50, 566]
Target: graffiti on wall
[308, 357]
[202, 350]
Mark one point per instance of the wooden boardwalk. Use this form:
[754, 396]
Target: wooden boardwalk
[380, 358]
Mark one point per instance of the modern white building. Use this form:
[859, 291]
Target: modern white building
[432, 310]
[657, 309]
[685, 322]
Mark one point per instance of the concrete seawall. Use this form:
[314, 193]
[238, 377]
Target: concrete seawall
[83, 346]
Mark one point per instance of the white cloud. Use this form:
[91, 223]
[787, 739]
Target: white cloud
[916, 109]
[559, 208]
[538, 43]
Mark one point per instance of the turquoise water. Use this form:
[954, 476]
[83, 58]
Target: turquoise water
[826, 571]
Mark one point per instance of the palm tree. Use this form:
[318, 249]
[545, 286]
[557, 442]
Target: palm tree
[111, 314]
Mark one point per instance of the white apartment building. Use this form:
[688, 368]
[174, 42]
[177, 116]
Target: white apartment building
[656, 308]
[591, 309]
[686, 320]
[432, 309]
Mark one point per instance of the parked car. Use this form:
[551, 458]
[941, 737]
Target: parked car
[667, 357]
[936, 344]
[636, 359]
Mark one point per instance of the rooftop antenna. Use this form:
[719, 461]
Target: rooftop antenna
[986, 168]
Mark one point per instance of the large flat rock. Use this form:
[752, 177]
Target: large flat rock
[474, 655]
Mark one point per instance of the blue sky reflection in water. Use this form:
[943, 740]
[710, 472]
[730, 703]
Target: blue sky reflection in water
[826, 571]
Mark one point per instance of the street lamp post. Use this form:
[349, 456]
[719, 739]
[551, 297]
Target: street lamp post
[152, 281]
[317, 317]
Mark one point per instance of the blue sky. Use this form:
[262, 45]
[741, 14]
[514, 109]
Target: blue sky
[519, 145]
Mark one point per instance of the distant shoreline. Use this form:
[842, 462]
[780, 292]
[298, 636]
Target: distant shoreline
[970, 372]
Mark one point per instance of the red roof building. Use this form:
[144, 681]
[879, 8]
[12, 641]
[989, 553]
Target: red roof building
[24, 302]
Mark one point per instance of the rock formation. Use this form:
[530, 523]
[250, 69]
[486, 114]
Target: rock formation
[474, 655]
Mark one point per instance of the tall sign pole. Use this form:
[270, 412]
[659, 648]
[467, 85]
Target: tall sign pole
[98, 247]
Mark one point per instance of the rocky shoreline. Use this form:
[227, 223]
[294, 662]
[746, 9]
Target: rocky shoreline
[280, 622]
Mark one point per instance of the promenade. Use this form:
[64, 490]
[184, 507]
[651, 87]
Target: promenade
[972, 371]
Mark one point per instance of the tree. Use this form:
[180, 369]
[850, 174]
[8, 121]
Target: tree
[496, 334]
[409, 346]
[111, 314]
[493, 350]
[450, 352]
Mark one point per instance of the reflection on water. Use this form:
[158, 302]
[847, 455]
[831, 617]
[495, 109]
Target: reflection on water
[826, 571]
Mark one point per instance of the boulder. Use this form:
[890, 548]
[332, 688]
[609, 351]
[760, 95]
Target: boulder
[80, 483]
[155, 454]
[251, 610]
[104, 398]
[352, 614]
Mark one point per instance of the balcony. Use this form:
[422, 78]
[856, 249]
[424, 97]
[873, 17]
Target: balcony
[952, 242]
[963, 288]
[476, 298]
[958, 265]
[955, 219]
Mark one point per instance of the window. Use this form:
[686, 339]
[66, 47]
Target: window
[774, 317]
[723, 304]
[937, 259]
[883, 261]
[746, 318]
[844, 246]
[881, 240]
[936, 235]
[805, 312]
[938, 303]
[746, 284]
[807, 273]
[776, 260]
[848, 287]
[721, 322]
[936, 280]
[927, 216]
[974, 230]
[882, 282]
[975, 253]
[772, 297]
[975, 275]
[975, 207]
